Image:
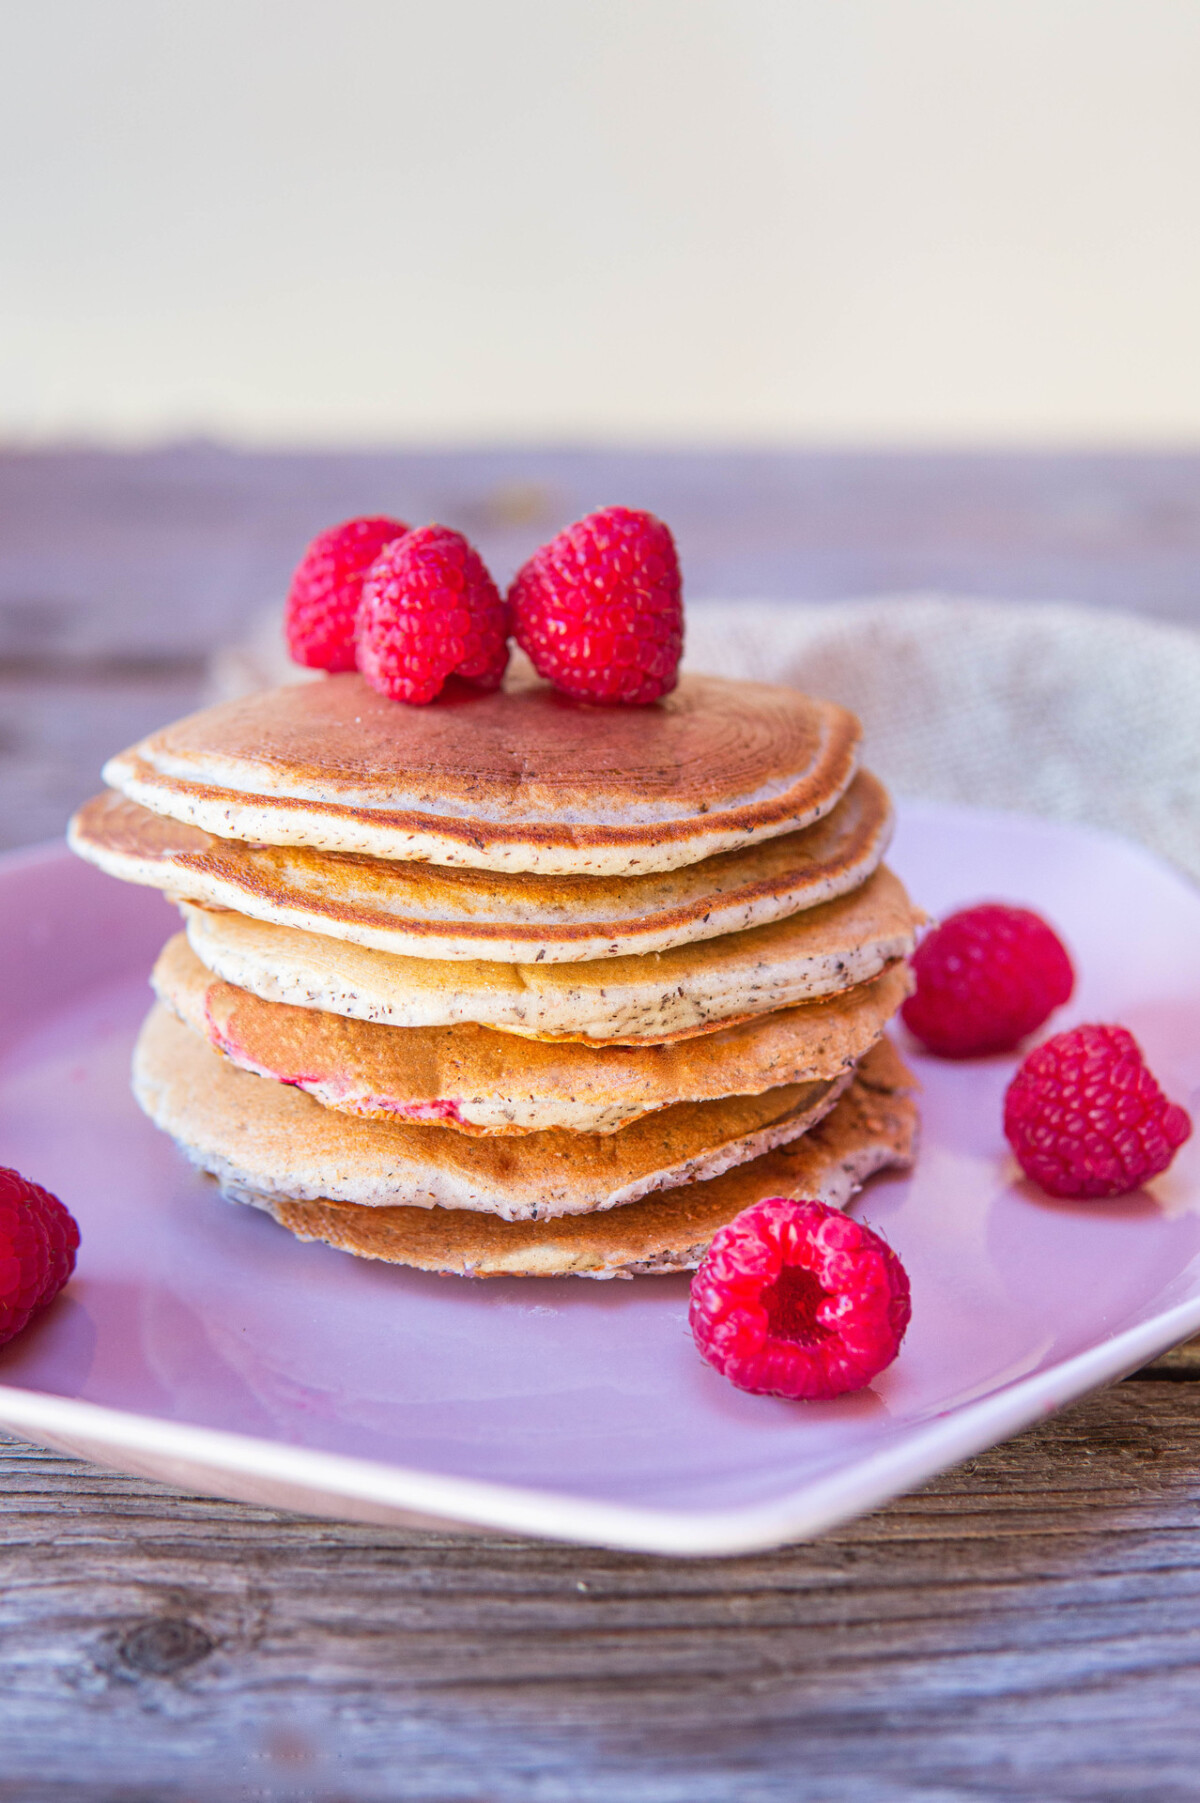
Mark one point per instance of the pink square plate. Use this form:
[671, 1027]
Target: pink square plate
[201, 1344]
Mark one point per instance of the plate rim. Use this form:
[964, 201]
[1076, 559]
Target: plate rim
[944, 1441]
[406, 1491]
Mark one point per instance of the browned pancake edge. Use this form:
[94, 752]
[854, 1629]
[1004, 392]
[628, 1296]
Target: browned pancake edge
[874, 1127]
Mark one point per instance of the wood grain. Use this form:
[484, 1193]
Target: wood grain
[164, 553]
[1026, 1627]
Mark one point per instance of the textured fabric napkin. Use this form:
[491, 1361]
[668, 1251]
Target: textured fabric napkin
[1056, 710]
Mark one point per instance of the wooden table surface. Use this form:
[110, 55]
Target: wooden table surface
[1025, 1627]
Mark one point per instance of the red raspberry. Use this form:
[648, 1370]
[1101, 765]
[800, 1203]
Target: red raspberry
[430, 610]
[322, 603]
[985, 978]
[38, 1241]
[796, 1299]
[600, 608]
[1085, 1116]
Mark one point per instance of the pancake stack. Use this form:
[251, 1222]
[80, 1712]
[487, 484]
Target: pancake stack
[511, 984]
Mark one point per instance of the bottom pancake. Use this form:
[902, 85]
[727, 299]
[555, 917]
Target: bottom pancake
[255, 1134]
[872, 1128]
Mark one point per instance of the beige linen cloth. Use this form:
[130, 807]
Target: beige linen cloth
[1052, 709]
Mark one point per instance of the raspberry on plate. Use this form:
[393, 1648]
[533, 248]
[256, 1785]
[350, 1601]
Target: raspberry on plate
[38, 1241]
[323, 601]
[430, 610]
[986, 977]
[1086, 1117]
[796, 1299]
[600, 608]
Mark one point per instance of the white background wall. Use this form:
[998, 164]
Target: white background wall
[957, 220]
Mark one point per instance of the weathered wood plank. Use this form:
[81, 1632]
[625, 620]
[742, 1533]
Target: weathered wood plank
[56, 731]
[170, 551]
[967, 1640]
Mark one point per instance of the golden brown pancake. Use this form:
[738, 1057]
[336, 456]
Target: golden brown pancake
[625, 1001]
[480, 1081]
[872, 1128]
[523, 779]
[430, 911]
[256, 1135]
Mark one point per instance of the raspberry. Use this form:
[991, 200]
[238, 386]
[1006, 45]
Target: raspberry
[430, 610]
[38, 1240]
[985, 978]
[322, 603]
[795, 1299]
[1085, 1116]
[600, 608]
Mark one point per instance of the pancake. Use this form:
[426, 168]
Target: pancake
[872, 1128]
[480, 1081]
[523, 779]
[257, 1136]
[620, 1001]
[427, 911]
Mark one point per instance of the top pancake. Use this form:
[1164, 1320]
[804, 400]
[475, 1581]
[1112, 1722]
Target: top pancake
[523, 779]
